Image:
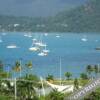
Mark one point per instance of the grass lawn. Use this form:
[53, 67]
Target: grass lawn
[3, 97]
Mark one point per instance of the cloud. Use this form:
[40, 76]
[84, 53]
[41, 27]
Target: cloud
[36, 7]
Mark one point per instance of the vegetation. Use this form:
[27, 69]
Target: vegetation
[85, 18]
[95, 95]
[55, 95]
[68, 75]
[76, 84]
[83, 76]
[50, 78]
[27, 85]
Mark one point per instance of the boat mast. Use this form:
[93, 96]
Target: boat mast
[60, 72]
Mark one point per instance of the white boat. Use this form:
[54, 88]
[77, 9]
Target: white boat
[34, 39]
[29, 35]
[40, 44]
[46, 34]
[84, 39]
[46, 50]
[12, 46]
[25, 35]
[33, 48]
[58, 36]
[42, 54]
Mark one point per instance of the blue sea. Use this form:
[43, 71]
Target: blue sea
[75, 53]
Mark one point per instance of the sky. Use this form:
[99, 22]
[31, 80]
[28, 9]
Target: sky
[37, 7]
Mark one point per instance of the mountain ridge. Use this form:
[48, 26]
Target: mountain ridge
[85, 18]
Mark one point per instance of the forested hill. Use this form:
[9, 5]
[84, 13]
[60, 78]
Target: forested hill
[85, 18]
[82, 19]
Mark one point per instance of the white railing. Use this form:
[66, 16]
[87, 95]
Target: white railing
[81, 93]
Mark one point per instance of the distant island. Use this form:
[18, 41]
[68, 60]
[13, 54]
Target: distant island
[85, 18]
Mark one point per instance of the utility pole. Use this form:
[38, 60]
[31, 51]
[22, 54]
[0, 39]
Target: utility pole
[15, 89]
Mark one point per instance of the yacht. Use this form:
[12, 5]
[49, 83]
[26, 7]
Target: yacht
[25, 35]
[58, 36]
[46, 50]
[40, 43]
[33, 48]
[45, 34]
[42, 54]
[12, 46]
[29, 35]
[34, 39]
[84, 39]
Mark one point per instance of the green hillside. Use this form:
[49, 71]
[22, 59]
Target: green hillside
[82, 19]
[85, 18]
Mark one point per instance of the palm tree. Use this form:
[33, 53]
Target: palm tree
[50, 77]
[83, 76]
[89, 70]
[68, 75]
[26, 90]
[17, 66]
[25, 87]
[29, 64]
[76, 84]
[55, 95]
[1, 66]
[96, 70]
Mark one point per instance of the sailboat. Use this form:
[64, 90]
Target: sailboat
[29, 35]
[46, 50]
[40, 43]
[84, 39]
[58, 36]
[34, 39]
[42, 54]
[25, 35]
[33, 48]
[45, 34]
